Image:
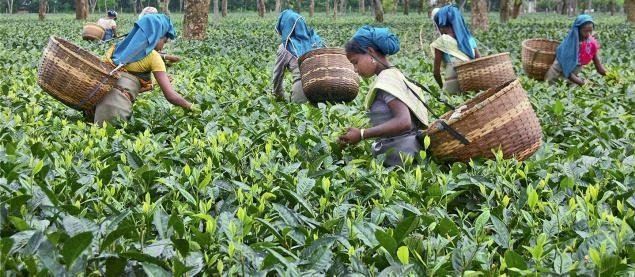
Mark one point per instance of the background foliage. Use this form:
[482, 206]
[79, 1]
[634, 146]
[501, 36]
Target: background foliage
[254, 186]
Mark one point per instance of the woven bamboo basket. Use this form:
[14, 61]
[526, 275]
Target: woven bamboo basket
[486, 72]
[538, 54]
[499, 117]
[92, 31]
[327, 75]
[74, 76]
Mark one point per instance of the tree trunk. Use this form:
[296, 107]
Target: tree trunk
[504, 11]
[335, 9]
[629, 8]
[394, 6]
[216, 14]
[406, 7]
[612, 7]
[328, 7]
[195, 19]
[278, 6]
[479, 15]
[92, 4]
[165, 7]
[516, 11]
[299, 4]
[223, 4]
[311, 8]
[362, 8]
[261, 7]
[565, 7]
[379, 11]
[81, 11]
[421, 4]
[342, 4]
[43, 8]
[10, 6]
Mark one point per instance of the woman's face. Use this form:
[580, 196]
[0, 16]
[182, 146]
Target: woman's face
[585, 31]
[161, 43]
[364, 64]
[446, 30]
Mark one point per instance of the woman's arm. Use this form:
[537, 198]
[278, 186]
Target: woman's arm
[168, 92]
[437, 67]
[574, 78]
[114, 31]
[400, 123]
[598, 65]
[277, 75]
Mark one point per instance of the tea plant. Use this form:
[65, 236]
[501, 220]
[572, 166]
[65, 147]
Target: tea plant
[255, 186]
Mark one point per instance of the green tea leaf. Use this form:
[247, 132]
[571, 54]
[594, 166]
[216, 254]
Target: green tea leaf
[74, 246]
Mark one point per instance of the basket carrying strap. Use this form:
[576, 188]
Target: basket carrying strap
[92, 92]
[445, 126]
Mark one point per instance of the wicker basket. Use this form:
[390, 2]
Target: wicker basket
[499, 117]
[92, 31]
[74, 76]
[486, 72]
[538, 54]
[327, 75]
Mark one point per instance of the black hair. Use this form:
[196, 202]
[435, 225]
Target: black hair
[586, 23]
[353, 47]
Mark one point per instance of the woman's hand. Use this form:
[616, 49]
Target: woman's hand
[352, 136]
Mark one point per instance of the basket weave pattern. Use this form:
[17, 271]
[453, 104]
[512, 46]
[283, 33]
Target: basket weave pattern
[499, 117]
[92, 31]
[74, 76]
[327, 75]
[486, 72]
[537, 56]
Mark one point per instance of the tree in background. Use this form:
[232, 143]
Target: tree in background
[480, 21]
[195, 19]
[165, 7]
[516, 9]
[278, 6]
[379, 10]
[406, 8]
[629, 8]
[362, 9]
[504, 11]
[223, 4]
[261, 7]
[298, 6]
[81, 9]
[42, 9]
[311, 8]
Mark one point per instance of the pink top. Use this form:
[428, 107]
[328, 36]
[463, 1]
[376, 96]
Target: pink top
[588, 49]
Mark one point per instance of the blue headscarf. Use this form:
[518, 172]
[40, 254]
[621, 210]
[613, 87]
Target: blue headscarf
[380, 39]
[568, 50]
[296, 36]
[450, 15]
[145, 35]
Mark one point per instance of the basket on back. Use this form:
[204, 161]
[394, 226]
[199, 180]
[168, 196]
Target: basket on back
[537, 55]
[74, 76]
[92, 31]
[499, 117]
[327, 75]
[486, 72]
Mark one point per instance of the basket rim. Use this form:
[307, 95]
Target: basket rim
[524, 45]
[484, 58]
[323, 50]
[93, 24]
[502, 89]
[57, 40]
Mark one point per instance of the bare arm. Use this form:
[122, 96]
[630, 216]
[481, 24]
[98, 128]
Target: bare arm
[400, 123]
[278, 72]
[168, 92]
[574, 78]
[477, 53]
[598, 65]
[437, 67]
